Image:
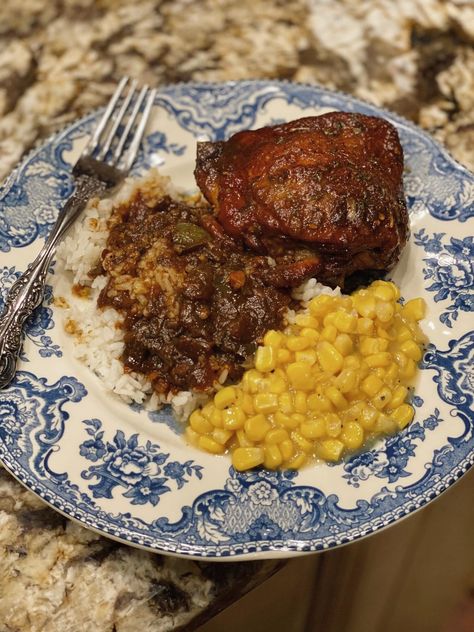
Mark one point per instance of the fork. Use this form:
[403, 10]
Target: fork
[102, 165]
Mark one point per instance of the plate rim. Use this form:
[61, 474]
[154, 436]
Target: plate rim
[278, 551]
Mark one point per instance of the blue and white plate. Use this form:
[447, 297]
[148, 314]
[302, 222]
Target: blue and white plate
[129, 474]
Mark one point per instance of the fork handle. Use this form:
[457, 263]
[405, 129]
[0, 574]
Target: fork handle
[26, 294]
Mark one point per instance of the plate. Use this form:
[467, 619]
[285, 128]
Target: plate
[127, 473]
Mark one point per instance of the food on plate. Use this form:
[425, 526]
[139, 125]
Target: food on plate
[333, 380]
[330, 185]
[165, 306]
[213, 306]
[192, 300]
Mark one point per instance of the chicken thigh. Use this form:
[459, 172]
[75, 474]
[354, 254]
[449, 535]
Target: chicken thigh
[322, 194]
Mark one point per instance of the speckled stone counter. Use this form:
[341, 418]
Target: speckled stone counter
[59, 59]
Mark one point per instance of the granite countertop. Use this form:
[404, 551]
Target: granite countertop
[59, 59]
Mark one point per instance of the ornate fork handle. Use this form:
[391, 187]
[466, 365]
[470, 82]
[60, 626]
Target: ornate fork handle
[26, 294]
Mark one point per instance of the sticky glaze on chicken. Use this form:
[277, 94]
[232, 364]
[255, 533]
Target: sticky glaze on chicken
[329, 184]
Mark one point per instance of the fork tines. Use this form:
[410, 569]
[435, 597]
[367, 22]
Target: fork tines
[122, 125]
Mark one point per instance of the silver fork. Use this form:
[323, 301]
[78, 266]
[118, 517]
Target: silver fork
[103, 164]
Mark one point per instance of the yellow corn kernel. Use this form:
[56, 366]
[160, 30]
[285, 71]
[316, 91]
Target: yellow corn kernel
[216, 418]
[352, 435]
[383, 333]
[273, 339]
[221, 436]
[368, 417]
[311, 334]
[395, 289]
[283, 356]
[308, 355]
[265, 403]
[209, 445]
[333, 424]
[329, 357]
[233, 418]
[329, 333]
[391, 374]
[414, 309]
[355, 396]
[265, 359]
[404, 333]
[298, 418]
[306, 320]
[344, 344]
[272, 457]
[296, 461]
[398, 396]
[365, 305]
[320, 305]
[277, 384]
[285, 403]
[225, 397]
[192, 436]
[369, 346]
[409, 370]
[411, 349]
[287, 449]
[363, 370]
[351, 362]
[242, 439]
[371, 385]
[199, 423]
[247, 404]
[384, 292]
[300, 402]
[300, 376]
[353, 413]
[365, 326]
[300, 442]
[207, 409]
[379, 372]
[319, 403]
[382, 398]
[400, 358]
[314, 428]
[251, 381]
[329, 319]
[384, 311]
[346, 302]
[285, 421]
[380, 359]
[383, 283]
[346, 381]
[403, 415]
[256, 427]
[384, 424]
[247, 458]
[345, 323]
[297, 343]
[330, 449]
[336, 397]
[276, 435]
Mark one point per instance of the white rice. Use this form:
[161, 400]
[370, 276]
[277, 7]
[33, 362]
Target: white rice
[97, 333]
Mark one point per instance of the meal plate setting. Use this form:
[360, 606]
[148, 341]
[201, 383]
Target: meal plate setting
[128, 473]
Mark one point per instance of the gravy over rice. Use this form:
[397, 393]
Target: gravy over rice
[194, 302]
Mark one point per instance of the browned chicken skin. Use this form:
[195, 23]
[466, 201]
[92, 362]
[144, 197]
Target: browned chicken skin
[323, 194]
